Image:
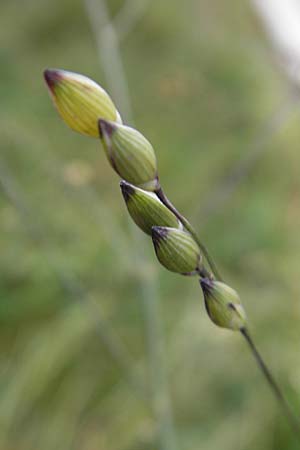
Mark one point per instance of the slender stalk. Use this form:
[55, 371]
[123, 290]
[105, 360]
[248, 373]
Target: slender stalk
[108, 44]
[108, 47]
[164, 199]
[290, 415]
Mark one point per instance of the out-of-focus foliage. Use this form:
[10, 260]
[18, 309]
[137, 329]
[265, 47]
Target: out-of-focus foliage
[74, 274]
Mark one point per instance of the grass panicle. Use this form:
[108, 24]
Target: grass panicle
[176, 243]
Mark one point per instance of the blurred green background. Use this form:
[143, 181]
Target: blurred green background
[100, 347]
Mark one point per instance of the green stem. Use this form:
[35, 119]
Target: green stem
[291, 417]
[164, 199]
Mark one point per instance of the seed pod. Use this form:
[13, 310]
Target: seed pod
[176, 250]
[146, 209]
[130, 154]
[223, 304]
[80, 101]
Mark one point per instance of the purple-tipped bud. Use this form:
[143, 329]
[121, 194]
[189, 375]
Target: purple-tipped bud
[176, 250]
[130, 154]
[80, 101]
[223, 304]
[146, 209]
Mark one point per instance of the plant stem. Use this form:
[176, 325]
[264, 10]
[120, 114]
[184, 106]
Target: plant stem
[292, 419]
[164, 199]
[290, 415]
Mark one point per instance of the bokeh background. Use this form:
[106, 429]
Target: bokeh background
[100, 347]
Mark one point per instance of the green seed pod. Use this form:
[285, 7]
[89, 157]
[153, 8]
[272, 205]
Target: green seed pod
[146, 209]
[223, 304]
[130, 154]
[80, 101]
[176, 250]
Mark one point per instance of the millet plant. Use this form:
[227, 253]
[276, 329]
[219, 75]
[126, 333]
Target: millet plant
[88, 109]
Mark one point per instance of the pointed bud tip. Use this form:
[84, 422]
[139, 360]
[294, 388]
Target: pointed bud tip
[52, 77]
[106, 127]
[158, 233]
[206, 284]
[223, 305]
[127, 190]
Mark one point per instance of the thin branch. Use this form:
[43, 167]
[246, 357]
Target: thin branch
[164, 199]
[109, 55]
[291, 418]
[157, 365]
[128, 16]
[106, 37]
